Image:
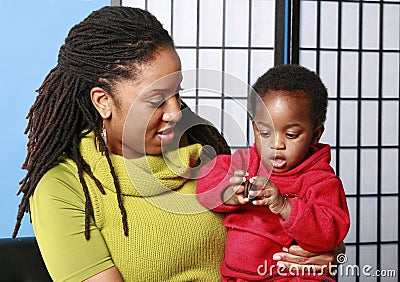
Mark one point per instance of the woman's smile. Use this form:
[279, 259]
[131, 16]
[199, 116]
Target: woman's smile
[166, 135]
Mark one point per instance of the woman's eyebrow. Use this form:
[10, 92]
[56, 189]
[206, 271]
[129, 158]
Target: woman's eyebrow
[160, 91]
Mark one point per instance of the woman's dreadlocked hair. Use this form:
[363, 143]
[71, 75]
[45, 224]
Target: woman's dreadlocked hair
[104, 48]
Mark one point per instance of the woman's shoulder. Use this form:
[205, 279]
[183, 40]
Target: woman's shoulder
[60, 180]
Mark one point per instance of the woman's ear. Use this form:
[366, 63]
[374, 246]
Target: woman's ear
[318, 130]
[101, 101]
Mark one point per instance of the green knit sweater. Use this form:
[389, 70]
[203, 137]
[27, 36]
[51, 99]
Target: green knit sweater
[171, 236]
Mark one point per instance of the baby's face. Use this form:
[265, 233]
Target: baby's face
[284, 129]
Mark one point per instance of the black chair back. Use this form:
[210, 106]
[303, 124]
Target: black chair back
[21, 261]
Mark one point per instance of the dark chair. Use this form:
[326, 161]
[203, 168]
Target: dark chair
[21, 261]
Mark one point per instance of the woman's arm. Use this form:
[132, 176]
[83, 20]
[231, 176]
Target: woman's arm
[58, 218]
[111, 274]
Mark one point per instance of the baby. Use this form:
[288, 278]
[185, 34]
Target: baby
[281, 191]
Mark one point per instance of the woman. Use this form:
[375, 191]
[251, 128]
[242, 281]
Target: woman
[109, 206]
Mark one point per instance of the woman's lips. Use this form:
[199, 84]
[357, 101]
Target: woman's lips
[166, 135]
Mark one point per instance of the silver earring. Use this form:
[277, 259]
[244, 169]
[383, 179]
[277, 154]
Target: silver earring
[104, 134]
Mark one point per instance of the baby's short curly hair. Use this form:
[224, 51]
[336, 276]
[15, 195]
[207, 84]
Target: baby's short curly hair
[293, 78]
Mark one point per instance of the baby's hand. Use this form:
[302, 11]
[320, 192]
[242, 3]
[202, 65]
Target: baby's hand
[270, 195]
[234, 194]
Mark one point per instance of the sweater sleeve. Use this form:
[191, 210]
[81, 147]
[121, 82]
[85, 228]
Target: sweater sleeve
[58, 218]
[213, 180]
[319, 219]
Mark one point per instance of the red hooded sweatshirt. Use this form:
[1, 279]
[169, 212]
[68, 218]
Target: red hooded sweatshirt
[318, 222]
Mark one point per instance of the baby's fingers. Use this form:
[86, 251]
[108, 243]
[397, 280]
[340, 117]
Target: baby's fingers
[240, 172]
[259, 181]
[242, 200]
[236, 180]
[239, 176]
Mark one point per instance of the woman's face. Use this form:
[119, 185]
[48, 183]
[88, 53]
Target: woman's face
[284, 130]
[145, 110]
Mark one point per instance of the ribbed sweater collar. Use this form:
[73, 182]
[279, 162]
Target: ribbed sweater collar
[146, 176]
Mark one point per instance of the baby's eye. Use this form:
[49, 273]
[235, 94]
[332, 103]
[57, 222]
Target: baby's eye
[265, 134]
[292, 135]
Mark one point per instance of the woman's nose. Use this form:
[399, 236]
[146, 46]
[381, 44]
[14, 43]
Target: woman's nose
[172, 109]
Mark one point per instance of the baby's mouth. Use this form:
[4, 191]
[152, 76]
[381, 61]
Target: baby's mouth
[278, 162]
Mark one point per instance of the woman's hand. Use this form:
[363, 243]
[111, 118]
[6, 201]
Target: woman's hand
[296, 259]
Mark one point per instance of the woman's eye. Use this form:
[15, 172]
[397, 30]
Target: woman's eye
[160, 102]
[157, 104]
[178, 97]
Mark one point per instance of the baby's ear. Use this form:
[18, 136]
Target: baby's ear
[318, 130]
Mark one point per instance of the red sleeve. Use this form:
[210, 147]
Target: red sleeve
[319, 219]
[214, 178]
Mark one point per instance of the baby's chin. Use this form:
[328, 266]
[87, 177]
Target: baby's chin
[279, 170]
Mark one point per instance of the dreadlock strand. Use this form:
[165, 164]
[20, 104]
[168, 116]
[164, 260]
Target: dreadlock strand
[118, 192]
[75, 153]
[77, 157]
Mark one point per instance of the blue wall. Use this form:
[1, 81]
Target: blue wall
[31, 33]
